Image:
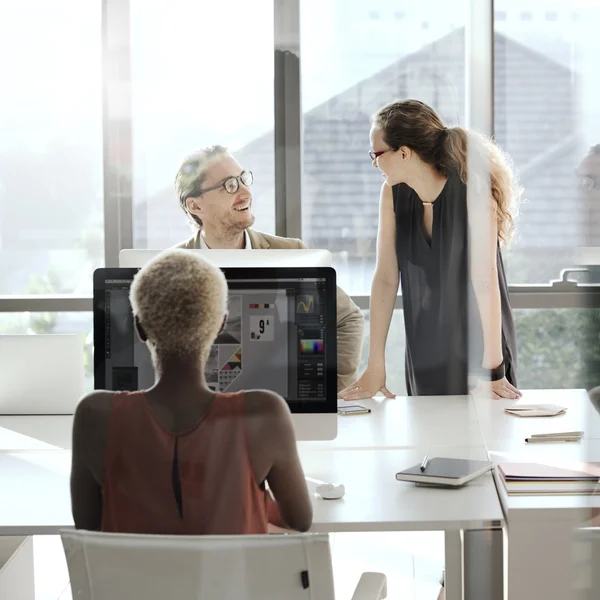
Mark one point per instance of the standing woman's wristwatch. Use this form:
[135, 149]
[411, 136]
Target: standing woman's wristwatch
[498, 373]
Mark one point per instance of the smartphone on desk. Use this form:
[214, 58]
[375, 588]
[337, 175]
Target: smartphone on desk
[353, 409]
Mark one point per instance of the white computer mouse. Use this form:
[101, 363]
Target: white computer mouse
[331, 491]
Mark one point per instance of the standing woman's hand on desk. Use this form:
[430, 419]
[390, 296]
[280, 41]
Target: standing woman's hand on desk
[369, 383]
[497, 390]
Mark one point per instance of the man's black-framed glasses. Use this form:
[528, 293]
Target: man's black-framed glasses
[232, 184]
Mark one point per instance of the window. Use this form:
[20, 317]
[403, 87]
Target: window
[202, 74]
[546, 119]
[526, 16]
[556, 349]
[399, 15]
[51, 208]
[340, 91]
[394, 355]
[500, 15]
[374, 15]
[551, 16]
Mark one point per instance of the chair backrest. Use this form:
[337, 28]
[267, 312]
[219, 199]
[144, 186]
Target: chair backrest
[107, 566]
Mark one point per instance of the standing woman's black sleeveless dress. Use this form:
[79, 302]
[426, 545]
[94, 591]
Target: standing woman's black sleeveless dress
[441, 332]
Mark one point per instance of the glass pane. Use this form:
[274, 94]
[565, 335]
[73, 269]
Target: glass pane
[558, 348]
[61, 322]
[546, 117]
[394, 355]
[202, 74]
[354, 60]
[51, 210]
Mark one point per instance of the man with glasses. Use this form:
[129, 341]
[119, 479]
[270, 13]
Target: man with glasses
[215, 193]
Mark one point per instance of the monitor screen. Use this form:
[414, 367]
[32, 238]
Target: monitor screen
[280, 335]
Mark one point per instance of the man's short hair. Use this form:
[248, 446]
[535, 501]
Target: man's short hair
[191, 174]
[180, 299]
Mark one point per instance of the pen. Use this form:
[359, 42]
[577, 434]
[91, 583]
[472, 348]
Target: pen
[550, 440]
[558, 434]
[424, 463]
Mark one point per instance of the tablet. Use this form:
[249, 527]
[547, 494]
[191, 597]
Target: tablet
[447, 472]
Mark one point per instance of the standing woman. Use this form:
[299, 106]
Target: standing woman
[446, 247]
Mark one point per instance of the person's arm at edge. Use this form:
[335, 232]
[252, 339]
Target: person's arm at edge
[386, 280]
[286, 477]
[350, 333]
[86, 492]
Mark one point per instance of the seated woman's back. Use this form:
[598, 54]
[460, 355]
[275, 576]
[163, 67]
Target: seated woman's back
[204, 477]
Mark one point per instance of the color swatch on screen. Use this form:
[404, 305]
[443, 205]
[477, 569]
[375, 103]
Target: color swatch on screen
[311, 346]
[260, 305]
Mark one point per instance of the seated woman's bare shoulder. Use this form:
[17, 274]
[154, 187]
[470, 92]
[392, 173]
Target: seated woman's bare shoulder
[269, 418]
[92, 416]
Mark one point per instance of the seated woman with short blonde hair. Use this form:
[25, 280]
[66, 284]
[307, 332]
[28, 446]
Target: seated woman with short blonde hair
[179, 458]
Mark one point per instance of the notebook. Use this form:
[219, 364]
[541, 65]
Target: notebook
[535, 410]
[539, 478]
[452, 472]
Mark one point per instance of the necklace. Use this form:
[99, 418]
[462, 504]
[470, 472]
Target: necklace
[427, 203]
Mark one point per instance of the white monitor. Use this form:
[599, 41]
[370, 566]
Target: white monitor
[41, 374]
[280, 335]
[240, 258]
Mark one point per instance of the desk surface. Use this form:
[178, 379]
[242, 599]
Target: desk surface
[35, 493]
[395, 435]
[404, 422]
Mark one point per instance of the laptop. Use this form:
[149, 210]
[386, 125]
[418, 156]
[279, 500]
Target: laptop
[41, 374]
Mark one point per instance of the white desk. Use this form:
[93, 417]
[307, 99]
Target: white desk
[368, 452]
[541, 529]
[35, 498]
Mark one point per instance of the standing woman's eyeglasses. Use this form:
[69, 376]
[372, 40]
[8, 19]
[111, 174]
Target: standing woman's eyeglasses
[375, 155]
[232, 184]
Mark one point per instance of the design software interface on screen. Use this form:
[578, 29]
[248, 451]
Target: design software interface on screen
[274, 339]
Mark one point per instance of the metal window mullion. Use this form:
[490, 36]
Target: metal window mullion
[479, 66]
[117, 129]
[522, 297]
[528, 297]
[45, 304]
[288, 118]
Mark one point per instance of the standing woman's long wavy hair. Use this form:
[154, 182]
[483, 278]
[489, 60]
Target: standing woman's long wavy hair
[414, 124]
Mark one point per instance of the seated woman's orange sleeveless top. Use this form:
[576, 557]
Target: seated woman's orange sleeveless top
[200, 482]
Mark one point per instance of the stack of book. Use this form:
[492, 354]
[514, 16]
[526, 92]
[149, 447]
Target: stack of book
[561, 479]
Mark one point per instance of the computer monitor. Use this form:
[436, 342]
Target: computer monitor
[280, 335]
[241, 258]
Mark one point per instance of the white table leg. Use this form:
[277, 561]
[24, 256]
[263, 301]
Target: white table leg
[483, 560]
[453, 547]
[540, 559]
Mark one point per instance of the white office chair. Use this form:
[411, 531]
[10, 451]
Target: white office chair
[107, 566]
